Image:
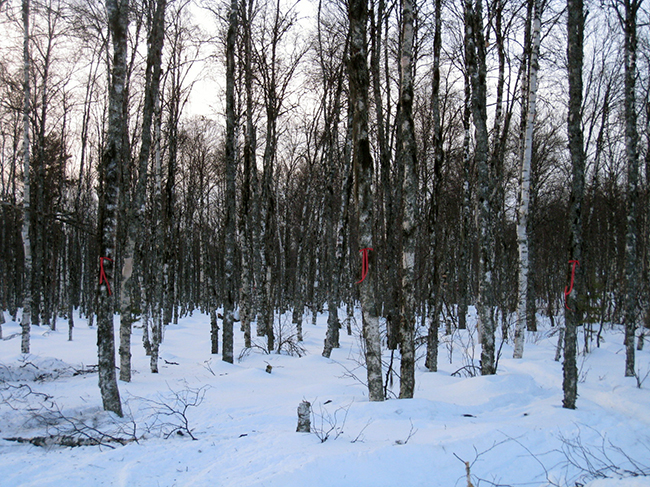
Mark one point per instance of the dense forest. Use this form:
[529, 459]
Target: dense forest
[413, 158]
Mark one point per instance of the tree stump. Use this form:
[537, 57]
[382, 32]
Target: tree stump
[304, 417]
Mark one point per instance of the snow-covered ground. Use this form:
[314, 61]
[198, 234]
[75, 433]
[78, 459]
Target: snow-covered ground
[510, 428]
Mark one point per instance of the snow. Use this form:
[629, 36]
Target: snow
[510, 427]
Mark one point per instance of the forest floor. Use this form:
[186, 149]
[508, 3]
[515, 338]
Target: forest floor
[510, 428]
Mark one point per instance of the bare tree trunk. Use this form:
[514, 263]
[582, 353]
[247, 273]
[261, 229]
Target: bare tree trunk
[156, 331]
[231, 170]
[573, 313]
[645, 329]
[249, 207]
[388, 206]
[345, 222]
[273, 99]
[524, 190]
[632, 153]
[333, 324]
[27, 246]
[363, 170]
[407, 161]
[111, 165]
[214, 331]
[435, 229]
[531, 305]
[477, 74]
[137, 210]
[332, 93]
[156, 293]
[467, 228]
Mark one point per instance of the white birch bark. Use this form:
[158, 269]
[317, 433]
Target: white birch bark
[476, 66]
[156, 299]
[524, 190]
[27, 299]
[111, 165]
[435, 232]
[248, 308]
[632, 154]
[573, 313]
[135, 219]
[231, 169]
[363, 170]
[407, 158]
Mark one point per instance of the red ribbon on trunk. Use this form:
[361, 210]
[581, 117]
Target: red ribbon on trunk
[102, 274]
[570, 287]
[364, 264]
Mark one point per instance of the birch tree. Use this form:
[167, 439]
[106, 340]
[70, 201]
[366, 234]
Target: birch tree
[387, 204]
[276, 62]
[363, 195]
[632, 261]
[135, 220]
[468, 229]
[435, 229]
[27, 283]
[573, 312]
[231, 170]
[249, 199]
[155, 294]
[332, 85]
[476, 67]
[407, 162]
[109, 175]
[524, 189]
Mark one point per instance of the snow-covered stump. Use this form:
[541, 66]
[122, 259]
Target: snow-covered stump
[304, 417]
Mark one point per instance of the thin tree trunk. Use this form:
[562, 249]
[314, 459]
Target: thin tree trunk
[214, 331]
[347, 217]
[332, 109]
[27, 246]
[231, 170]
[573, 313]
[407, 160]
[156, 338]
[249, 205]
[155, 295]
[111, 165]
[268, 198]
[363, 170]
[435, 229]
[477, 73]
[531, 305]
[465, 268]
[388, 208]
[524, 191]
[135, 220]
[333, 324]
[632, 153]
[646, 327]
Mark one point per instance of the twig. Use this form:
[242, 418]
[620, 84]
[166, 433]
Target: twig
[358, 437]
[412, 432]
